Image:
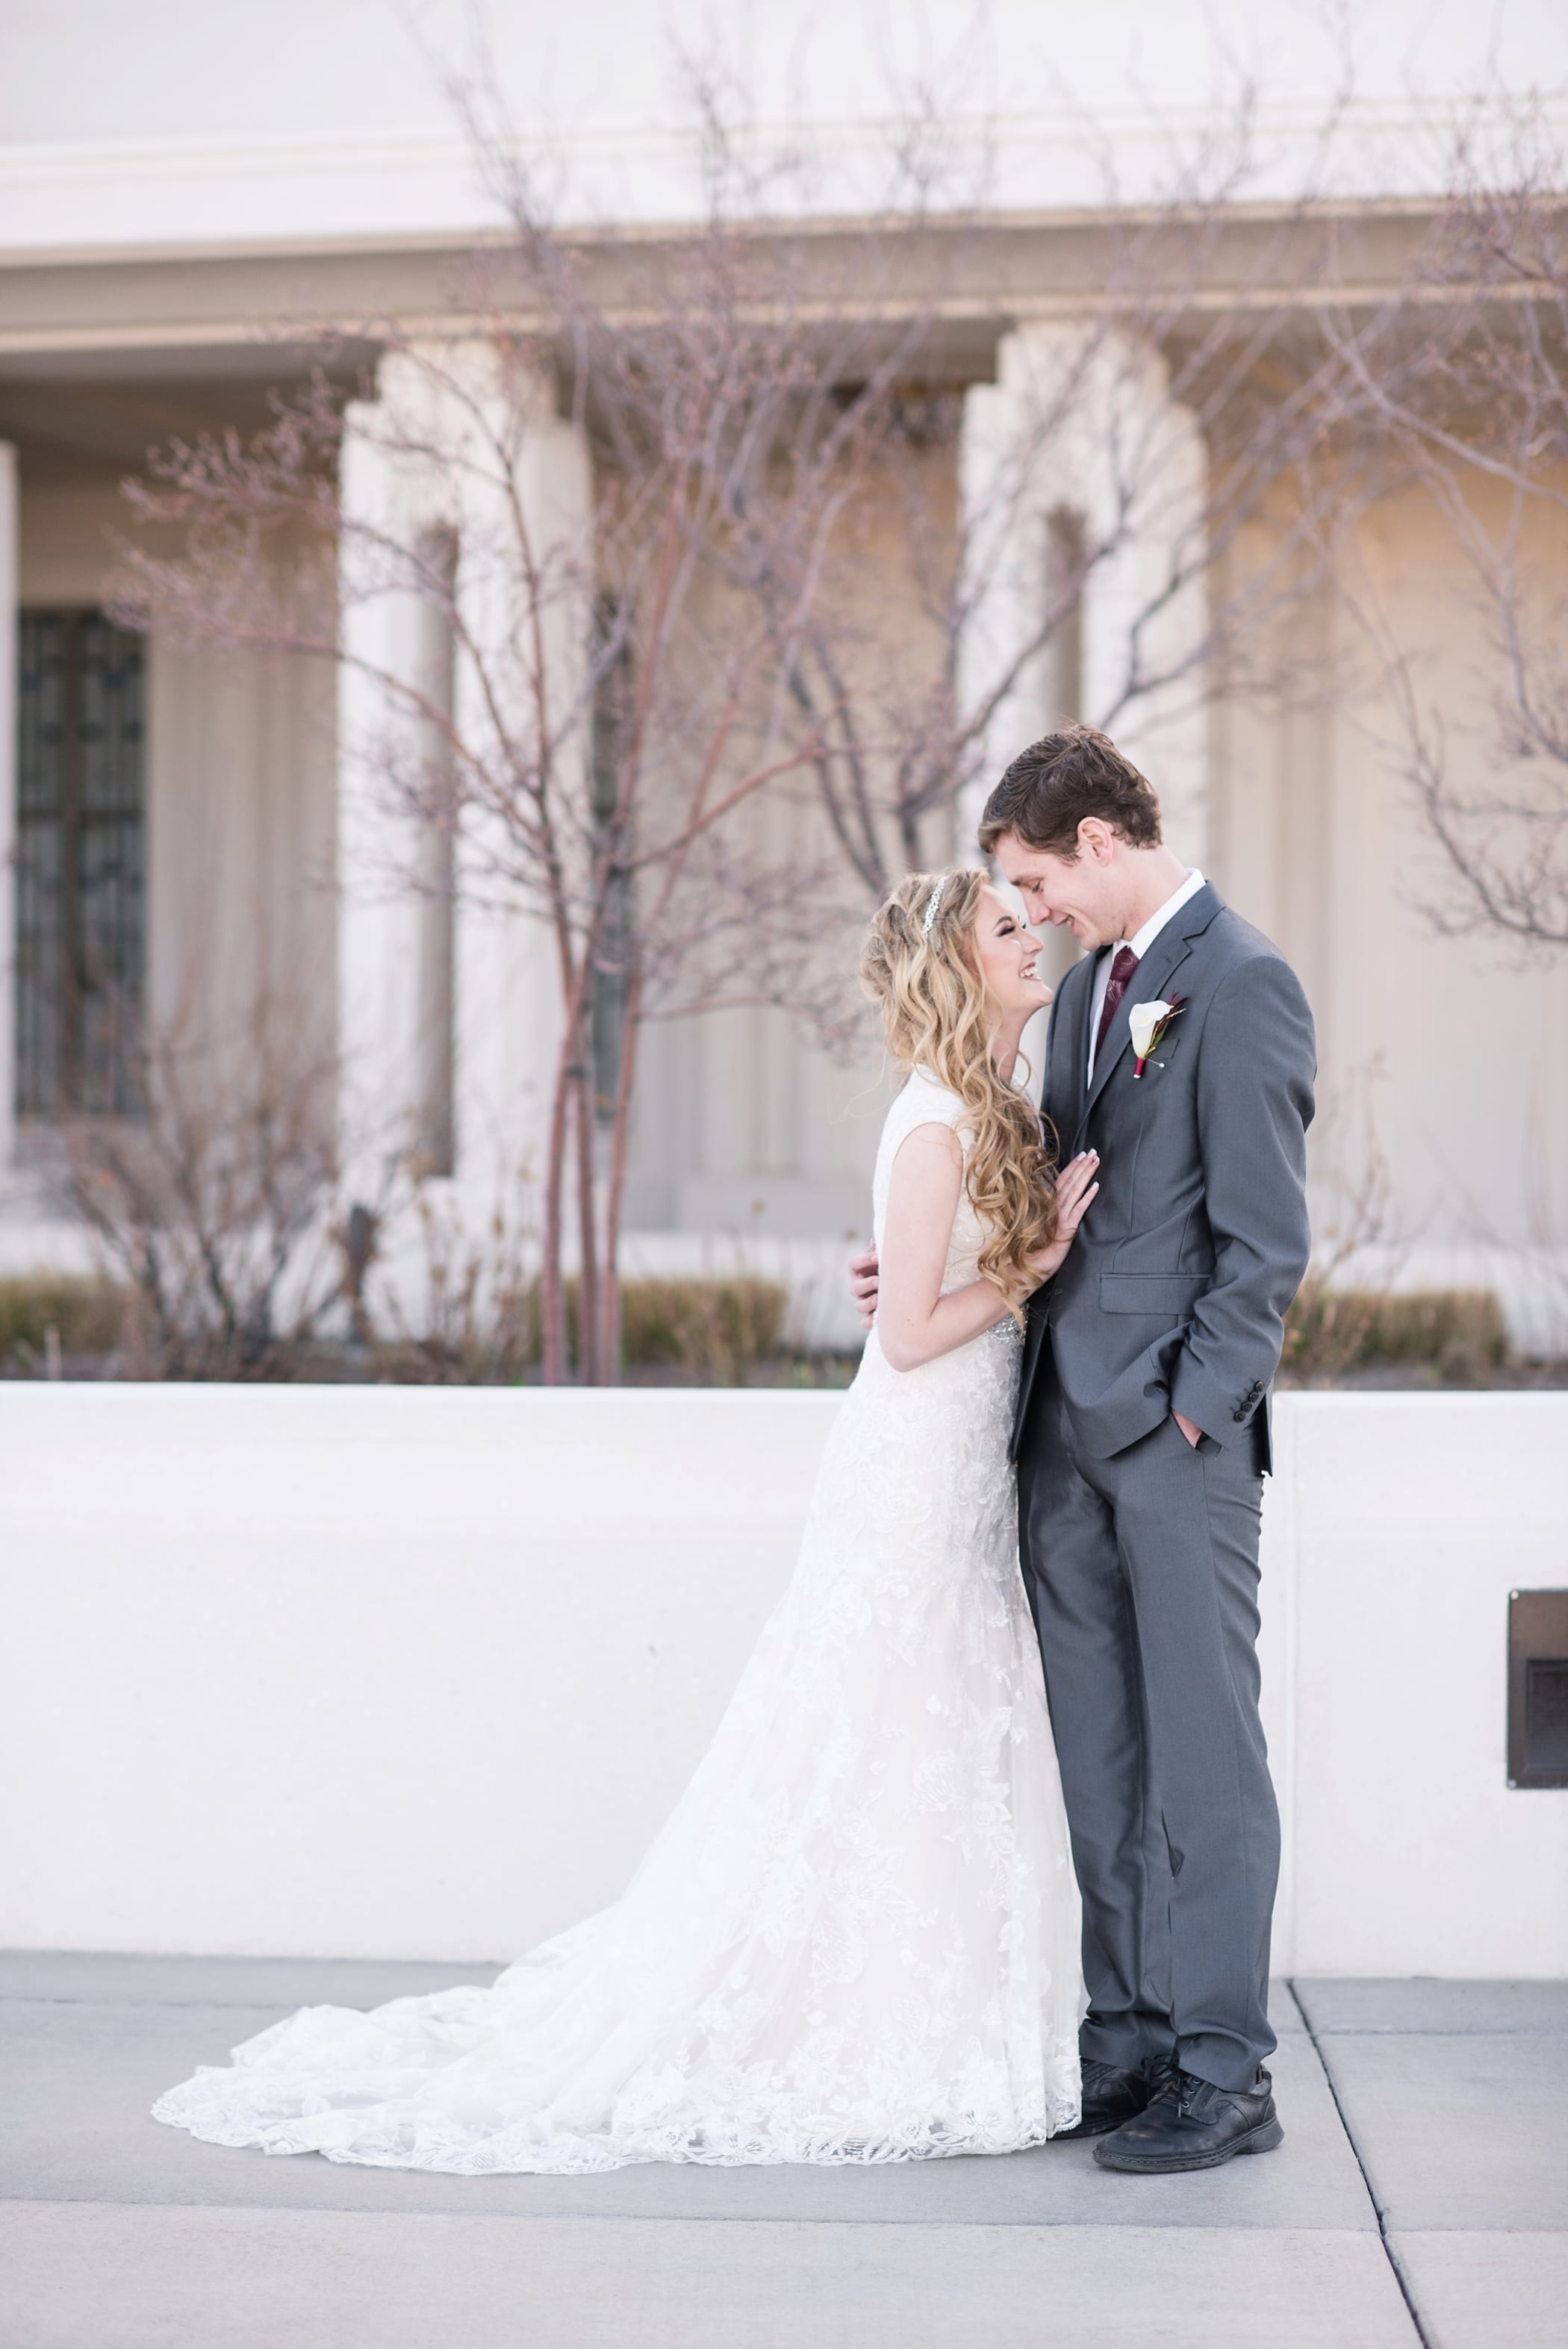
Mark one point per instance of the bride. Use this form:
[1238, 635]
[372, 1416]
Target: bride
[856, 1940]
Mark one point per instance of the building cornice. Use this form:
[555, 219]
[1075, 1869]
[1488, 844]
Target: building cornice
[984, 271]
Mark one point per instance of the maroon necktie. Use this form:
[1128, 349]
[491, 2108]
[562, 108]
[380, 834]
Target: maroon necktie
[1121, 979]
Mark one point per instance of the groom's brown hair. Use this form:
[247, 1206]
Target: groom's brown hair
[1049, 789]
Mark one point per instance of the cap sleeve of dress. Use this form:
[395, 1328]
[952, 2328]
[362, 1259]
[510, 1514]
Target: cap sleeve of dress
[923, 1101]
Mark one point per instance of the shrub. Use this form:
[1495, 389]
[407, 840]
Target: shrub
[88, 1316]
[711, 1330]
[720, 1328]
[1458, 1332]
[1440, 1326]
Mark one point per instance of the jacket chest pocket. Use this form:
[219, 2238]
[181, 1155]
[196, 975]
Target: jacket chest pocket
[1165, 1296]
[1165, 1054]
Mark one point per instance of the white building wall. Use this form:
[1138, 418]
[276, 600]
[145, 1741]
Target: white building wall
[10, 557]
[1396, 1528]
[778, 1138]
[413, 1673]
[188, 128]
[1441, 1142]
[1457, 1040]
[240, 910]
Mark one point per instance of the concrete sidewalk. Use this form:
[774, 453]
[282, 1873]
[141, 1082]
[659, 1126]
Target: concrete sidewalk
[1422, 2195]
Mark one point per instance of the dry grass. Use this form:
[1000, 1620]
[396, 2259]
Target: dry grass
[87, 1318]
[717, 1330]
[1459, 1333]
[711, 1332]
[727, 1332]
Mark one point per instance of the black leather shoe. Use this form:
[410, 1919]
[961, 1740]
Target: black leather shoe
[1189, 2124]
[1109, 2097]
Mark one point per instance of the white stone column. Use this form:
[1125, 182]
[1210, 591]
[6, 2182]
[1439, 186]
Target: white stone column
[1081, 426]
[474, 975]
[379, 915]
[530, 655]
[10, 550]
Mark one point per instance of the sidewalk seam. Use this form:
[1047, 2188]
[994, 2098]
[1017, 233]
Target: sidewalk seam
[1389, 2253]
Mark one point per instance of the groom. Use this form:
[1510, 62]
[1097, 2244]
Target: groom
[1142, 1438]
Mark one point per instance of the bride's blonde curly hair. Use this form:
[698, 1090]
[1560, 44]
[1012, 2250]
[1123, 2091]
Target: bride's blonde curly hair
[926, 977]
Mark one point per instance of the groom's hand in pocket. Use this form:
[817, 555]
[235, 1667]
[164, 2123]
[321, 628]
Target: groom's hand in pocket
[1189, 1429]
[863, 1281]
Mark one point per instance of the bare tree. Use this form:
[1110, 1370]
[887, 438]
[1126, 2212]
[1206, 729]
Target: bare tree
[1475, 412]
[215, 1205]
[622, 679]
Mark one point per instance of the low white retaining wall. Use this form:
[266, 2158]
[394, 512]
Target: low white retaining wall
[391, 1671]
[1394, 1533]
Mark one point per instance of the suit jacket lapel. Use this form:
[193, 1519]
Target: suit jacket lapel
[1068, 1056]
[1151, 983]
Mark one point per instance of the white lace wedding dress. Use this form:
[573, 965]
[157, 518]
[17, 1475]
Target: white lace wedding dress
[857, 1938]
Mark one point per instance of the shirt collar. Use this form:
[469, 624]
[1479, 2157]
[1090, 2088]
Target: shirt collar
[1158, 919]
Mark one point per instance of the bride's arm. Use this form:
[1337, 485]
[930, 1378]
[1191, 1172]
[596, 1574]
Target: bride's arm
[915, 1321]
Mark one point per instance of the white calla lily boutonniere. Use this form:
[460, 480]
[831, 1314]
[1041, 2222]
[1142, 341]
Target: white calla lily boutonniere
[1148, 1023]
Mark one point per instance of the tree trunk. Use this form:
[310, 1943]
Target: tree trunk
[615, 1188]
[551, 1287]
[591, 1370]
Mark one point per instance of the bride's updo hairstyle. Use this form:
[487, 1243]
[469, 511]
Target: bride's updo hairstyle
[925, 974]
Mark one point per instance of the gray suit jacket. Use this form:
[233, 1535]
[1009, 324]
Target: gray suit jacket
[1174, 1293]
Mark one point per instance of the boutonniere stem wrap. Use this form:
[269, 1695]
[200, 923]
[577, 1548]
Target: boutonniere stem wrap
[1149, 1022]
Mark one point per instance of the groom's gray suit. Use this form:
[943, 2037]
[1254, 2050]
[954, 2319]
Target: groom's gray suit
[1141, 1554]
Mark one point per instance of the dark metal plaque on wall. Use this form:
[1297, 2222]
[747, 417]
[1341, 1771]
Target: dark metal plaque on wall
[1538, 1688]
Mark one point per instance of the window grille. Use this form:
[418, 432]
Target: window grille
[80, 862]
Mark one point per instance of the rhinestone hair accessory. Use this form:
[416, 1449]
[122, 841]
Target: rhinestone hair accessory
[932, 903]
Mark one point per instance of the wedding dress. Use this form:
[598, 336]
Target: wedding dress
[856, 1940]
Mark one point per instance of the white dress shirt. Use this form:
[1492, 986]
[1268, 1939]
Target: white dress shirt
[1141, 946]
